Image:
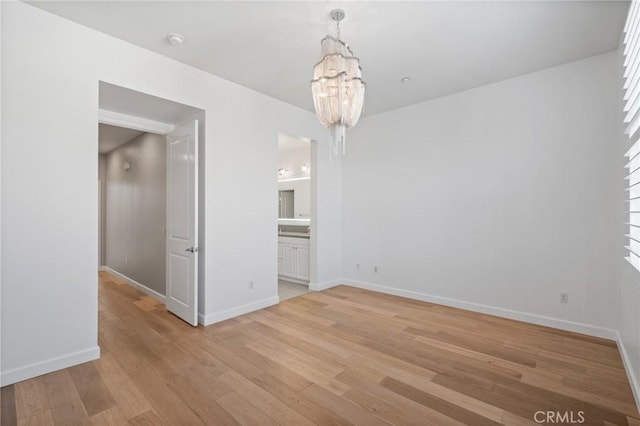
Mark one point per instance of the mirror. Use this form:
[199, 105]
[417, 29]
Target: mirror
[294, 199]
[285, 203]
[294, 173]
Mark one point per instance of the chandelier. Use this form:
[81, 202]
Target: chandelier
[337, 86]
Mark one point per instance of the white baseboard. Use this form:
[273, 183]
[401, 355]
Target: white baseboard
[43, 367]
[101, 268]
[631, 373]
[576, 327]
[325, 285]
[143, 288]
[237, 311]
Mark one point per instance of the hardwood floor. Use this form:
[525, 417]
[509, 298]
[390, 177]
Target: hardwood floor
[339, 357]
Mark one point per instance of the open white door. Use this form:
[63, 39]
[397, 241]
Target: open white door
[182, 222]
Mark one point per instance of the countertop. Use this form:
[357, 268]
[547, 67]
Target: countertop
[293, 234]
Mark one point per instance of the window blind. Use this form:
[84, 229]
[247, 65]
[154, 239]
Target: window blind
[632, 120]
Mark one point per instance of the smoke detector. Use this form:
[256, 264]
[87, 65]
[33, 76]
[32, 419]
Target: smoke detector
[175, 39]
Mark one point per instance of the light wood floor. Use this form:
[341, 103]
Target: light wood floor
[338, 357]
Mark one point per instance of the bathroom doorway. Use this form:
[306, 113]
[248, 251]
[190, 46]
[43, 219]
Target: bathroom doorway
[295, 224]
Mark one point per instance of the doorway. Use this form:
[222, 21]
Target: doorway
[149, 175]
[295, 225]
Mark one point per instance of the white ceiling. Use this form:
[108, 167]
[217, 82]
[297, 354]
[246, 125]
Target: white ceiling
[446, 47]
[111, 137]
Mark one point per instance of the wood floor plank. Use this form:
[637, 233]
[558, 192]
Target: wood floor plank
[95, 395]
[344, 356]
[163, 399]
[345, 408]
[110, 417]
[633, 421]
[447, 407]
[417, 411]
[301, 367]
[70, 414]
[296, 400]
[65, 402]
[382, 408]
[264, 400]
[245, 412]
[9, 414]
[41, 418]
[125, 392]
[31, 397]
[148, 418]
[269, 366]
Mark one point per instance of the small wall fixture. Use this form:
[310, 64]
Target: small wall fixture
[175, 39]
[126, 166]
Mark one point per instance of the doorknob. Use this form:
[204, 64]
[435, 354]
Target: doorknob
[192, 249]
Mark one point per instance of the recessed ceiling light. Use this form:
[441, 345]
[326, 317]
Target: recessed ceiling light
[175, 39]
[405, 79]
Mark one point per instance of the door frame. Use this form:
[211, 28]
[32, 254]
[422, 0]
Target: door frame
[151, 126]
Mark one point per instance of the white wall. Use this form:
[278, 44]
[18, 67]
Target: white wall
[136, 210]
[495, 199]
[50, 71]
[294, 160]
[326, 212]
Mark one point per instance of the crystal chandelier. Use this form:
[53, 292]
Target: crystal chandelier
[337, 86]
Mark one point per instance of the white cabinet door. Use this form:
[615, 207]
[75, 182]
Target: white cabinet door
[288, 260]
[302, 262]
[293, 258]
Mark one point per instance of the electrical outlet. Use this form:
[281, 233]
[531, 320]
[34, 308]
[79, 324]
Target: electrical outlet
[250, 285]
[564, 298]
[375, 269]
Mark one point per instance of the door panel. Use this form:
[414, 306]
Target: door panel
[179, 268]
[182, 222]
[179, 188]
[288, 260]
[302, 263]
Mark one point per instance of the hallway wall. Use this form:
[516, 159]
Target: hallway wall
[135, 201]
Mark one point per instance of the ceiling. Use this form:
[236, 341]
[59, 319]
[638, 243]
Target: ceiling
[445, 47]
[111, 137]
